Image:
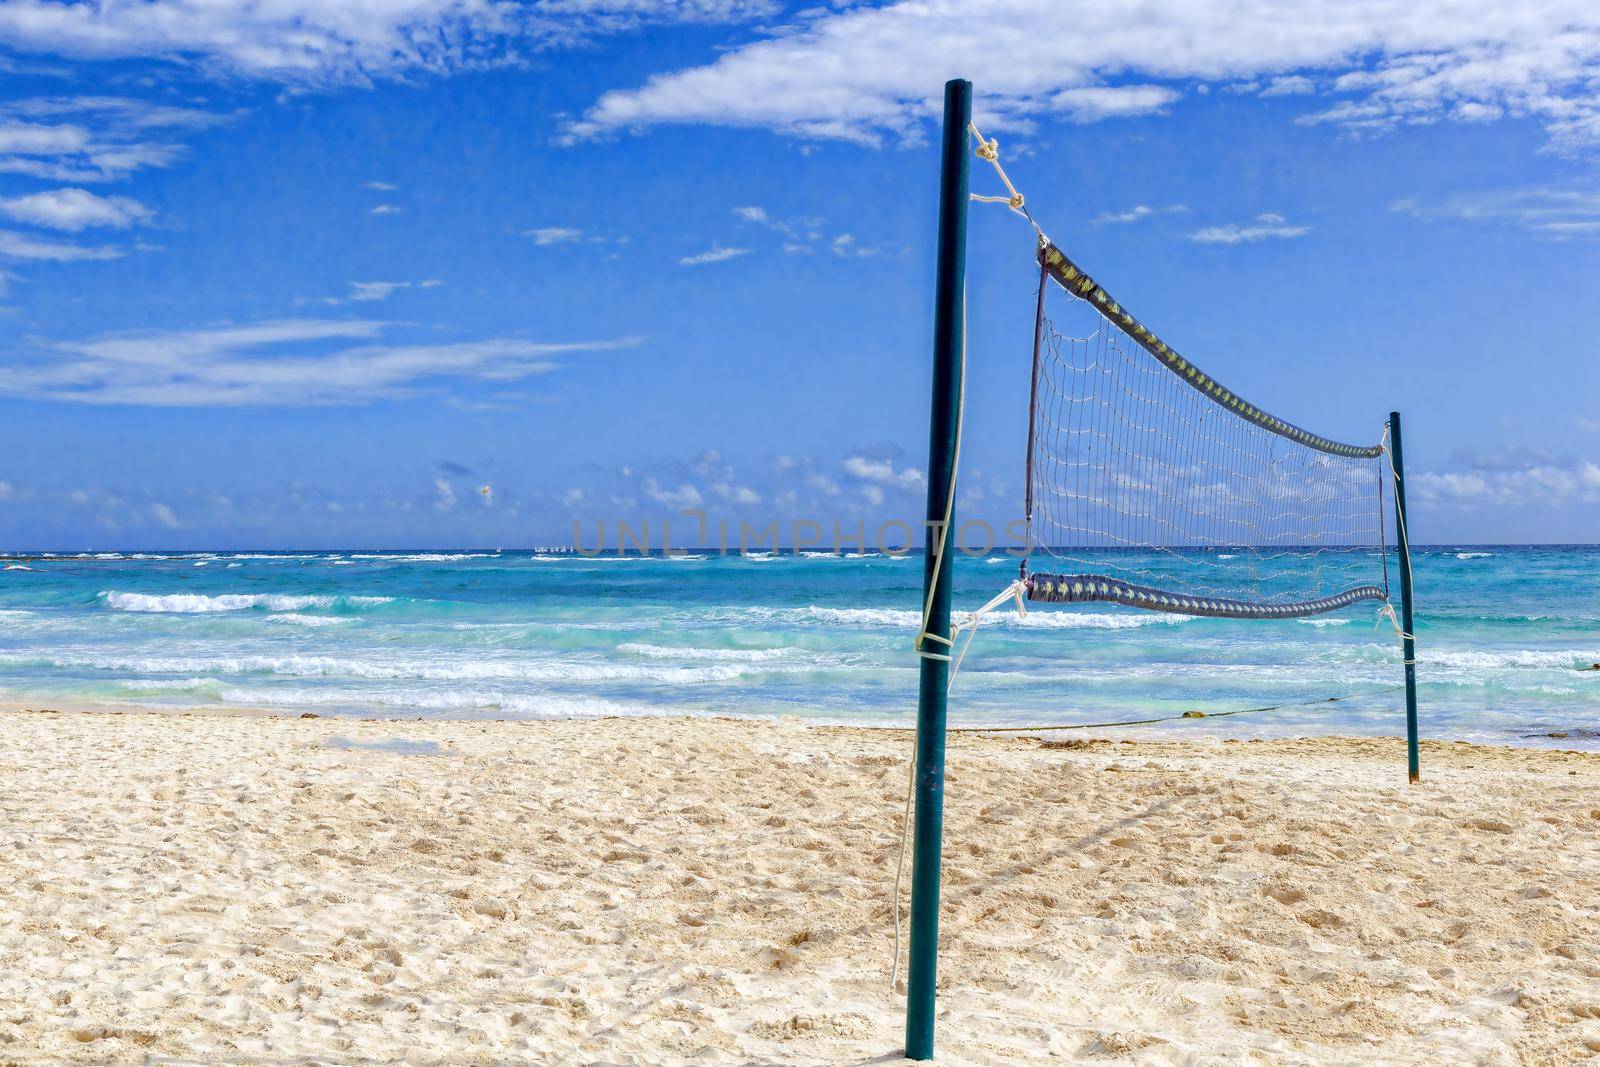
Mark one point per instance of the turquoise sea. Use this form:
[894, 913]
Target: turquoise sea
[1503, 634]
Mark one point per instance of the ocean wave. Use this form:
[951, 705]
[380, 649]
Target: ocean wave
[518, 705]
[200, 603]
[432, 669]
[1473, 555]
[1323, 622]
[17, 567]
[169, 685]
[727, 655]
[426, 557]
[297, 619]
[1520, 658]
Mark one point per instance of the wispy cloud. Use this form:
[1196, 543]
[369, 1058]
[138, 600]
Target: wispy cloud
[882, 472]
[842, 71]
[386, 209]
[371, 292]
[74, 209]
[554, 235]
[1289, 85]
[1138, 213]
[365, 292]
[1262, 228]
[715, 254]
[285, 362]
[21, 246]
[1548, 211]
[92, 138]
[681, 496]
[1561, 482]
[324, 42]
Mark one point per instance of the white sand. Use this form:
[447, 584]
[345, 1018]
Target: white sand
[659, 891]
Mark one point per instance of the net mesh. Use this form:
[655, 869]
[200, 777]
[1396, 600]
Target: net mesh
[1150, 484]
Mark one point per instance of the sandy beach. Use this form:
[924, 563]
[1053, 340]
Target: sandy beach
[281, 890]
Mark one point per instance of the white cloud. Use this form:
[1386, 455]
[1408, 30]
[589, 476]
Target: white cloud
[553, 235]
[751, 214]
[20, 246]
[823, 484]
[1262, 228]
[270, 363]
[386, 209]
[33, 139]
[330, 41]
[74, 210]
[444, 495]
[382, 187]
[1561, 482]
[1289, 85]
[866, 72]
[162, 515]
[715, 254]
[737, 494]
[684, 496]
[102, 139]
[1549, 211]
[366, 292]
[1138, 213]
[1095, 102]
[882, 472]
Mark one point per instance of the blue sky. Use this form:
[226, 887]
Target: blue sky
[318, 274]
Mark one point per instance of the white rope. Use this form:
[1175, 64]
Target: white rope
[990, 152]
[1017, 591]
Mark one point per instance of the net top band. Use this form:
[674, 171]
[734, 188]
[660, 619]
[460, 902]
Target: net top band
[1074, 280]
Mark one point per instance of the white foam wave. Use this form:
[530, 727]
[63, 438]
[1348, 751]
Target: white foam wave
[160, 685]
[199, 603]
[17, 567]
[726, 655]
[1323, 622]
[426, 557]
[1473, 555]
[518, 705]
[1521, 658]
[397, 669]
[296, 619]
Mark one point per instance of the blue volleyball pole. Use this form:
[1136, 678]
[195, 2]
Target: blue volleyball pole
[948, 328]
[1408, 643]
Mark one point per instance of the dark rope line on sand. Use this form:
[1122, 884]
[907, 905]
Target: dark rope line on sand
[1189, 715]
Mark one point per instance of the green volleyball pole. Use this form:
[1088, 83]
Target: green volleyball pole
[1408, 644]
[948, 329]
